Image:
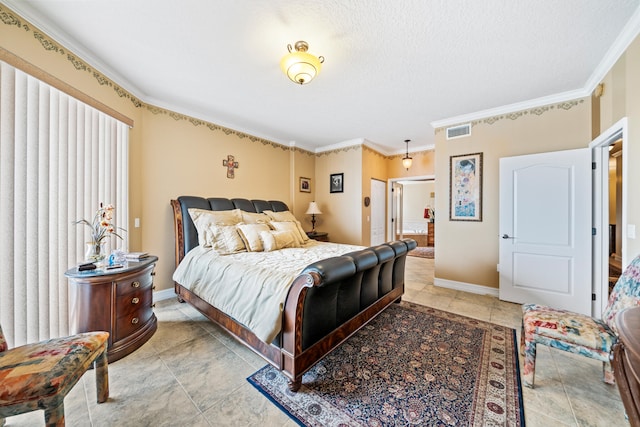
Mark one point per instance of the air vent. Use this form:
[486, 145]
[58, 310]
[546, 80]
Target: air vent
[459, 131]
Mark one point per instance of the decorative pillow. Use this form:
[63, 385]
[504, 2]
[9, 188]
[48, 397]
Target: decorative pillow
[203, 218]
[305, 238]
[250, 234]
[274, 240]
[288, 226]
[287, 216]
[254, 218]
[224, 239]
[280, 216]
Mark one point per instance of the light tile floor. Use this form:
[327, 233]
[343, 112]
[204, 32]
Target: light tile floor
[191, 373]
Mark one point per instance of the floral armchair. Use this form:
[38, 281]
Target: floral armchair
[39, 376]
[578, 333]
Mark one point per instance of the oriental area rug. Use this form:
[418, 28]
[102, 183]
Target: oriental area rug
[411, 365]
[422, 252]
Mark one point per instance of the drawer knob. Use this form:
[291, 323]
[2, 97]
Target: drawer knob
[135, 284]
[134, 320]
[135, 300]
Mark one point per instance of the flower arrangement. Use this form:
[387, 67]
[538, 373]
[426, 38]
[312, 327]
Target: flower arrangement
[101, 227]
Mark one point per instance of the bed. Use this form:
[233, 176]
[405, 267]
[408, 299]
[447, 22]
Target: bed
[325, 302]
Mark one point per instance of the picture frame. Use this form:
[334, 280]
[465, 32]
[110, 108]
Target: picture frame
[305, 184]
[336, 183]
[465, 187]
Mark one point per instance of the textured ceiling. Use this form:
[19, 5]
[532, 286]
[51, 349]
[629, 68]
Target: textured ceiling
[392, 68]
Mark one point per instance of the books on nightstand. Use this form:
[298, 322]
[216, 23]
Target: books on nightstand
[136, 256]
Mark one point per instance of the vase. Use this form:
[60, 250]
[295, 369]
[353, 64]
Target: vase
[95, 252]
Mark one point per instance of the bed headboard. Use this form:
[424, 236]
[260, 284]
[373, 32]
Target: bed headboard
[185, 231]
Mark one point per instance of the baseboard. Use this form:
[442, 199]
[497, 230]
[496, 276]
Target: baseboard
[467, 287]
[164, 294]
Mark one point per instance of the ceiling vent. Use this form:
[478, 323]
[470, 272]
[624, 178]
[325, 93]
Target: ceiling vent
[459, 131]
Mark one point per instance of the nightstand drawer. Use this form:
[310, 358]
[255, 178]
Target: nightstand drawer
[135, 282]
[132, 301]
[126, 325]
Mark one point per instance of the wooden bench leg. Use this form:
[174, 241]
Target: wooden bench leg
[102, 376]
[54, 417]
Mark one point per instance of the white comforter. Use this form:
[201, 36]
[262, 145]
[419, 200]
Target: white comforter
[251, 287]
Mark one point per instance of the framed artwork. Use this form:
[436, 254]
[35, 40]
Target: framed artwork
[336, 183]
[465, 181]
[305, 184]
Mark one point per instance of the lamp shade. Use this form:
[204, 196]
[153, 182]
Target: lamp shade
[299, 65]
[313, 209]
[406, 162]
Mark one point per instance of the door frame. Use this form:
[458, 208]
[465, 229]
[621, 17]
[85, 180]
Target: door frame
[390, 199]
[600, 189]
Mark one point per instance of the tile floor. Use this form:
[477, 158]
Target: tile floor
[191, 373]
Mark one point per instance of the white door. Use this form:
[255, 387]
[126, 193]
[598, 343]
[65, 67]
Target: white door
[378, 189]
[545, 229]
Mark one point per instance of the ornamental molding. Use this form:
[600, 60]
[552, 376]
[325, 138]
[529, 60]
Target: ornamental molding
[537, 111]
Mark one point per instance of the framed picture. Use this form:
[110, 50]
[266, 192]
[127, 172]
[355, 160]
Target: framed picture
[336, 183]
[465, 181]
[305, 184]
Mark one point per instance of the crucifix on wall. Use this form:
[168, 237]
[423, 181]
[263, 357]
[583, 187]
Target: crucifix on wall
[231, 165]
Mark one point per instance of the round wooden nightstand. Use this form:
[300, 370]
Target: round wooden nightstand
[320, 236]
[118, 301]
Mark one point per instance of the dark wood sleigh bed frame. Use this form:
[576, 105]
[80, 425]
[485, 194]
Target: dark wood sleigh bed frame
[327, 302]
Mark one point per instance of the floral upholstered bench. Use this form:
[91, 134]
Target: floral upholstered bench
[39, 376]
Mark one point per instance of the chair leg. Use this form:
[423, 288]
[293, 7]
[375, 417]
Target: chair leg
[607, 373]
[102, 376]
[54, 417]
[529, 368]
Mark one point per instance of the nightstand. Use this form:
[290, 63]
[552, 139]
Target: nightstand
[119, 301]
[320, 236]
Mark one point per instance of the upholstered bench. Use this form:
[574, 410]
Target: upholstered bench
[39, 376]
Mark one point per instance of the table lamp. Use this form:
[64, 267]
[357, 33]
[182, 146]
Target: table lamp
[313, 211]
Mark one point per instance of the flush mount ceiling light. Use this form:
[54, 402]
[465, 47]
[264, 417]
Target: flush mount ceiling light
[300, 66]
[406, 160]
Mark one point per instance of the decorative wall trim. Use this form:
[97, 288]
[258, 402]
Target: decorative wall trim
[467, 287]
[339, 150]
[536, 111]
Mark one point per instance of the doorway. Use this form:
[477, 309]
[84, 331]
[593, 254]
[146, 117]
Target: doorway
[609, 211]
[411, 209]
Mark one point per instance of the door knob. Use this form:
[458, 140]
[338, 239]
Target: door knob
[506, 236]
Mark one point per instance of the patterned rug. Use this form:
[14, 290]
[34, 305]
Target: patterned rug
[423, 252]
[412, 365]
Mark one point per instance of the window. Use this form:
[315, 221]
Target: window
[59, 158]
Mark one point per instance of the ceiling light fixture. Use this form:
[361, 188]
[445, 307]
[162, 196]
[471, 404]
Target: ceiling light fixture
[406, 160]
[300, 66]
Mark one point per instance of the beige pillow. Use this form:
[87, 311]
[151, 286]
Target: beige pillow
[250, 234]
[274, 240]
[281, 216]
[203, 218]
[225, 239]
[254, 218]
[305, 238]
[288, 226]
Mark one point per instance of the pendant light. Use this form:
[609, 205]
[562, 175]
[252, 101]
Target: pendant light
[406, 160]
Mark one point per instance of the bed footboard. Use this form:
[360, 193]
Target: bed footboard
[333, 298]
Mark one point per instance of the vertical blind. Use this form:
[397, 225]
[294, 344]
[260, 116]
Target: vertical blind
[59, 159]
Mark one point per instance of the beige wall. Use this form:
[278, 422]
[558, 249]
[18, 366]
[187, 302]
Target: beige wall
[468, 251]
[341, 216]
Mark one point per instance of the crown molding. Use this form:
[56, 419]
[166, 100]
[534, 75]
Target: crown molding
[511, 108]
[619, 46]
